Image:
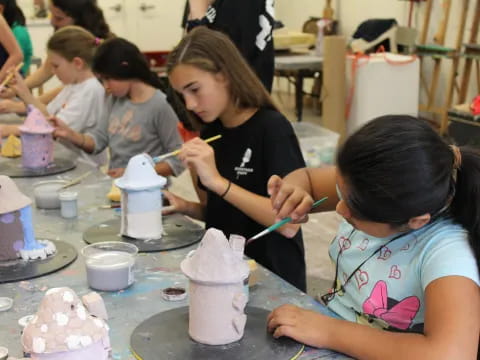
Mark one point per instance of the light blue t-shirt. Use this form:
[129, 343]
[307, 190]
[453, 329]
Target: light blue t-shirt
[388, 289]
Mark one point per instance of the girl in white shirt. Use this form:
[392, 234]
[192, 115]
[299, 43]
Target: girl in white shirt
[81, 100]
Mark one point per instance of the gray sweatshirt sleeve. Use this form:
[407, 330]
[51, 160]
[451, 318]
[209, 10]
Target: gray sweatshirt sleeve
[166, 125]
[100, 132]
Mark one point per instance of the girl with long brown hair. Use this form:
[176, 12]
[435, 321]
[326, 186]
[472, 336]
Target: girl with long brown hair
[225, 98]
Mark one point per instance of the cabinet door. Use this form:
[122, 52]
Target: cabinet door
[157, 23]
[115, 12]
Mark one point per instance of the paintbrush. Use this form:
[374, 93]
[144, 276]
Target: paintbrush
[76, 180]
[111, 206]
[157, 159]
[281, 223]
[10, 76]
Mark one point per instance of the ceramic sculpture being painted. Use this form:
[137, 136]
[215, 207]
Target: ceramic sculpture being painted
[141, 199]
[217, 272]
[64, 328]
[17, 238]
[37, 140]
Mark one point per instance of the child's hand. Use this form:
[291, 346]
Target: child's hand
[289, 200]
[61, 129]
[7, 93]
[116, 173]
[18, 85]
[177, 204]
[305, 326]
[198, 154]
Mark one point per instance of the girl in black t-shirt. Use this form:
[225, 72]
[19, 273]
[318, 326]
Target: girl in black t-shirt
[225, 97]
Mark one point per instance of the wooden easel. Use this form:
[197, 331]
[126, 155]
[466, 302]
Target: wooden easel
[328, 10]
[472, 53]
[438, 52]
[452, 79]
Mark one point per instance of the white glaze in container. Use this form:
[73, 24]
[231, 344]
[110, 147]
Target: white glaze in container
[110, 265]
[46, 194]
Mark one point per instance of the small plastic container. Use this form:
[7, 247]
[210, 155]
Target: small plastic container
[68, 204]
[46, 193]
[110, 265]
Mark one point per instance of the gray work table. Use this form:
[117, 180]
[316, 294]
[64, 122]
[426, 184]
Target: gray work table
[154, 271]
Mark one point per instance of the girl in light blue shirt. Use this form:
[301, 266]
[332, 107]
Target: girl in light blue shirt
[406, 256]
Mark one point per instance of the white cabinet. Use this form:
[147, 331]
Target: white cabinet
[150, 24]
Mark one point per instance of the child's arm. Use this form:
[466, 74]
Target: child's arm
[12, 106]
[82, 141]
[452, 327]
[179, 205]
[200, 156]
[193, 209]
[49, 95]
[8, 41]
[21, 89]
[7, 130]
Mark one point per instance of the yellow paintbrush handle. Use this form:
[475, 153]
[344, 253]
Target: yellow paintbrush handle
[176, 152]
[11, 75]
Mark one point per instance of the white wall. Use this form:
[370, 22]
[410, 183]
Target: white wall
[351, 13]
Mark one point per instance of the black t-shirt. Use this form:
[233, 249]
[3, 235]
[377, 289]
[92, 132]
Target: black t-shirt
[249, 24]
[248, 155]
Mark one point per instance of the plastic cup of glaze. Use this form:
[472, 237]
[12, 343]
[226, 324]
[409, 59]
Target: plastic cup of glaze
[46, 193]
[110, 265]
[68, 204]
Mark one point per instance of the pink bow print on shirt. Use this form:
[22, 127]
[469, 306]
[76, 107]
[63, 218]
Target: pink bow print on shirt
[399, 315]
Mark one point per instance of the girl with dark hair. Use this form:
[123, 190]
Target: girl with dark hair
[136, 117]
[16, 20]
[84, 13]
[407, 252]
[226, 97]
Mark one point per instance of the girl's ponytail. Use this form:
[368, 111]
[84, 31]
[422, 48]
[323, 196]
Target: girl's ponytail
[120, 59]
[465, 205]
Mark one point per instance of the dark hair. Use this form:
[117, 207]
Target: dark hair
[73, 41]
[87, 14]
[214, 52]
[120, 59]
[397, 167]
[12, 13]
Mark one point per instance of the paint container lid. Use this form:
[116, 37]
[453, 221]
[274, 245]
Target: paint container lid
[68, 195]
[3, 353]
[24, 321]
[174, 294]
[5, 303]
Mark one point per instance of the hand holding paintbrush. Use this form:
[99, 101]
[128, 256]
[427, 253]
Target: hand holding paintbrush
[10, 76]
[281, 223]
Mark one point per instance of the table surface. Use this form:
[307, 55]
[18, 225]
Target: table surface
[153, 272]
[298, 62]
